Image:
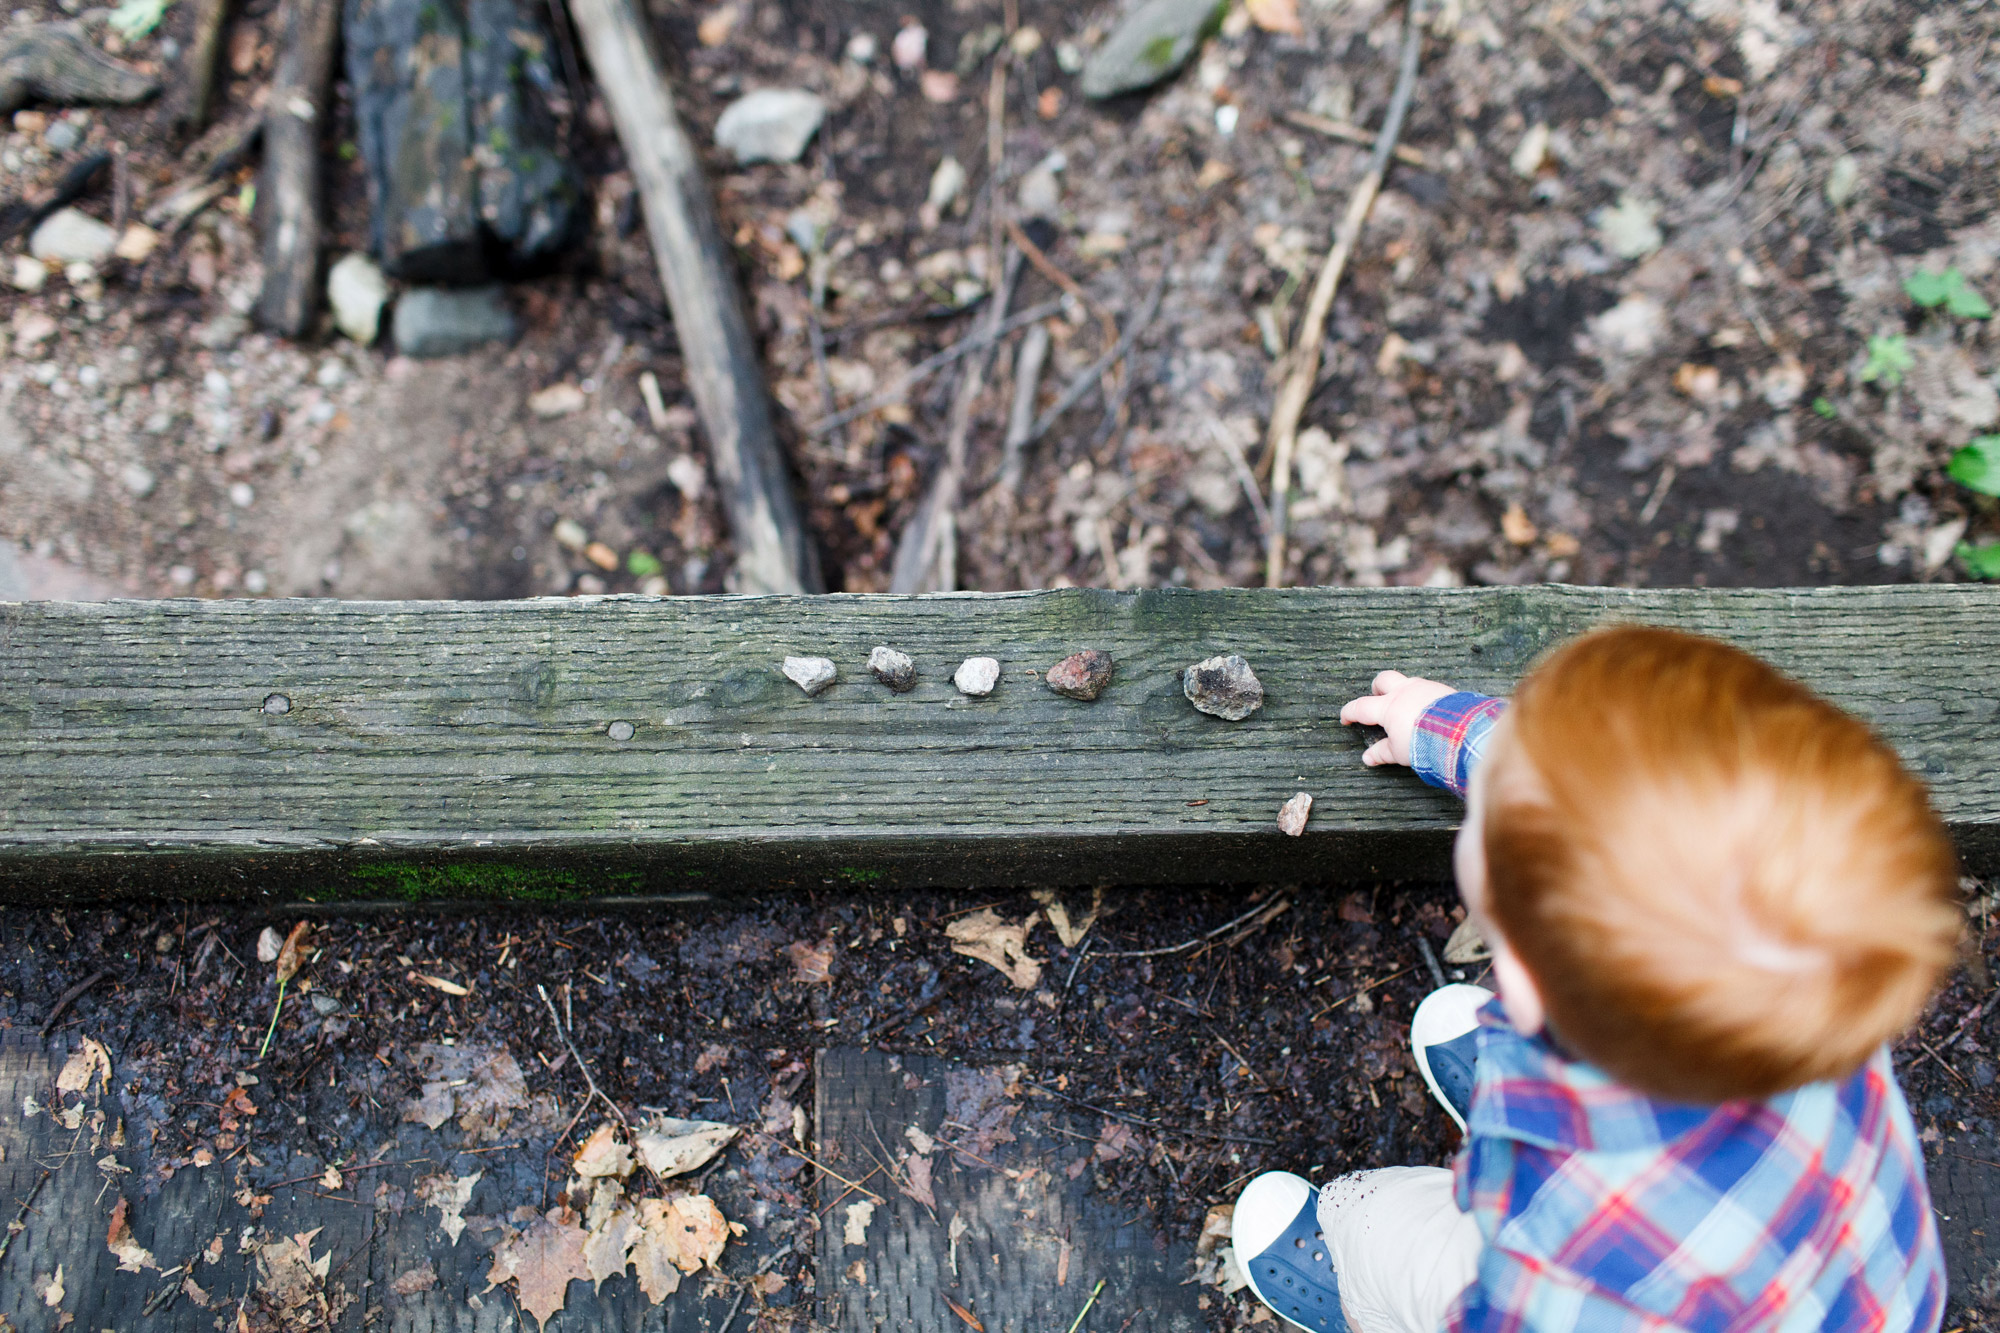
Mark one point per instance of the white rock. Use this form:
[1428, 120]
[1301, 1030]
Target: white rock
[29, 274]
[138, 480]
[1631, 230]
[811, 674]
[946, 182]
[357, 291]
[977, 676]
[242, 494]
[71, 237]
[770, 125]
[862, 47]
[1292, 815]
[1532, 151]
[558, 400]
[909, 47]
[1040, 193]
[687, 475]
[571, 535]
[1633, 327]
[137, 243]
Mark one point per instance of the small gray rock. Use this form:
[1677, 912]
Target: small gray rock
[444, 321]
[67, 237]
[138, 480]
[357, 291]
[1223, 687]
[977, 676]
[324, 1004]
[770, 125]
[811, 674]
[62, 137]
[893, 669]
[1150, 43]
[223, 332]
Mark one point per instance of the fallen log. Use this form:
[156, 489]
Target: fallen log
[56, 63]
[289, 195]
[202, 62]
[772, 551]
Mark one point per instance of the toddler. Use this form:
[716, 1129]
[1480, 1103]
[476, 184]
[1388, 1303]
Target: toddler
[1712, 898]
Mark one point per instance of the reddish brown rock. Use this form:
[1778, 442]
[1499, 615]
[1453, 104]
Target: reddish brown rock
[1081, 675]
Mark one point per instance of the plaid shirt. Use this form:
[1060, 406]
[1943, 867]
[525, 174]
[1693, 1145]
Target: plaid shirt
[1608, 1211]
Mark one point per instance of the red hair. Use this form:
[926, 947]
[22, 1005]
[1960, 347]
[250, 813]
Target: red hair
[1723, 885]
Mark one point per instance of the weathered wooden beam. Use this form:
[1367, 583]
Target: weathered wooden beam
[623, 745]
[301, 97]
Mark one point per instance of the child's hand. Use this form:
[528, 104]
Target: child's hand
[1395, 706]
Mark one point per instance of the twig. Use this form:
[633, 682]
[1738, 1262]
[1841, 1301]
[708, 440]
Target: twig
[1943, 1063]
[1028, 362]
[1298, 386]
[1153, 1125]
[346, 1171]
[1618, 94]
[983, 337]
[1078, 1323]
[1431, 961]
[1087, 379]
[1244, 476]
[808, 1158]
[21, 1217]
[1979, 1011]
[734, 1310]
[1359, 990]
[1340, 129]
[577, 1056]
[1048, 268]
[1185, 945]
[63, 1000]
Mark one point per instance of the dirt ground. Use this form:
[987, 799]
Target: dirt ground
[1506, 398]
[1281, 1044]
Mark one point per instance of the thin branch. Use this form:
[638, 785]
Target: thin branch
[984, 336]
[1346, 133]
[1185, 945]
[1086, 380]
[63, 1000]
[1298, 386]
[1153, 1125]
[577, 1056]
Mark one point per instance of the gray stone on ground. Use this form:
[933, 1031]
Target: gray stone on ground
[893, 669]
[770, 125]
[1292, 814]
[811, 674]
[444, 321]
[138, 479]
[977, 676]
[62, 137]
[68, 236]
[1081, 675]
[1223, 687]
[1150, 43]
[357, 291]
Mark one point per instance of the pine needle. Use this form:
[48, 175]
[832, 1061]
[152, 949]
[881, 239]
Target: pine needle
[276, 1009]
[1086, 1306]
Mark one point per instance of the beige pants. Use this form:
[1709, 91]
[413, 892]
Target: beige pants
[1401, 1247]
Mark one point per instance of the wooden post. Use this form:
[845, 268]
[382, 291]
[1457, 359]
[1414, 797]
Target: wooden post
[772, 554]
[290, 186]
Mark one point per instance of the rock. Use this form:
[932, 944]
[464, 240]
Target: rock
[1150, 43]
[1040, 193]
[1292, 814]
[811, 674]
[440, 321]
[466, 173]
[770, 125]
[67, 237]
[221, 333]
[29, 274]
[946, 183]
[558, 400]
[138, 480]
[893, 669]
[1081, 675]
[137, 243]
[1631, 230]
[977, 676]
[357, 291]
[570, 534]
[62, 137]
[910, 46]
[1223, 687]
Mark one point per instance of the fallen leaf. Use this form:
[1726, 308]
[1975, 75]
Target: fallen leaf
[541, 1262]
[132, 1256]
[1276, 16]
[670, 1147]
[1114, 1141]
[859, 1215]
[1070, 933]
[439, 983]
[1467, 945]
[986, 936]
[603, 1155]
[482, 1085]
[333, 1180]
[269, 942]
[449, 1195]
[1216, 1228]
[713, 1056]
[917, 1181]
[50, 1290]
[698, 1230]
[653, 1252]
[922, 1142]
[1517, 527]
[191, 1290]
[971, 1319]
[292, 954]
[811, 963]
[291, 1286]
[89, 1061]
[414, 1280]
[607, 1246]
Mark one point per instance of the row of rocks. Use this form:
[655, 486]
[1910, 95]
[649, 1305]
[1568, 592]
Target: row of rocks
[1223, 686]
[428, 321]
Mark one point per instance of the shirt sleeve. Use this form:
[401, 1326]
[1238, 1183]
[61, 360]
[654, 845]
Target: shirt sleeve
[1450, 738]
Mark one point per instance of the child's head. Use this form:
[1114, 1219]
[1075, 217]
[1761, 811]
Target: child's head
[1718, 884]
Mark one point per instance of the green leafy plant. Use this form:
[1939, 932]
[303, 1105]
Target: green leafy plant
[1948, 289]
[135, 18]
[643, 564]
[1825, 408]
[1977, 466]
[1889, 360]
[1981, 561]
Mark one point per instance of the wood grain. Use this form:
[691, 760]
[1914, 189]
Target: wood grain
[291, 185]
[449, 749]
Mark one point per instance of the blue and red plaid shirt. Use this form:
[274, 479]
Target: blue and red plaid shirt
[1608, 1211]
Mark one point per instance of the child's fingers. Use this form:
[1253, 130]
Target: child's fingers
[1368, 710]
[1386, 681]
[1378, 753]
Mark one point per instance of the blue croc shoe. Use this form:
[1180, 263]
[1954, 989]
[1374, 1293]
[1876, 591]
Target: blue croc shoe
[1444, 1036]
[1282, 1251]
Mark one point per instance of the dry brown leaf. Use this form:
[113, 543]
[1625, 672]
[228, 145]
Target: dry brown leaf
[449, 1195]
[859, 1215]
[194, 1292]
[1467, 945]
[541, 1262]
[292, 955]
[603, 1155]
[986, 936]
[89, 1062]
[1276, 16]
[713, 1056]
[811, 963]
[695, 1227]
[1216, 1228]
[607, 1246]
[481, 1085]
[917, 1181]
[50, 1290]
[671, 1147]
[292, 1289]
[333, 1180]
[1114, 1142]
[412, 1281]
[653, 1252]
[971, 1319]
[1070, 933]
[132, 1256]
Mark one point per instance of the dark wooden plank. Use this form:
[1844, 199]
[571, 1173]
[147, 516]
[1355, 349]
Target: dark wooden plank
[449, 749]
[994, 1241]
